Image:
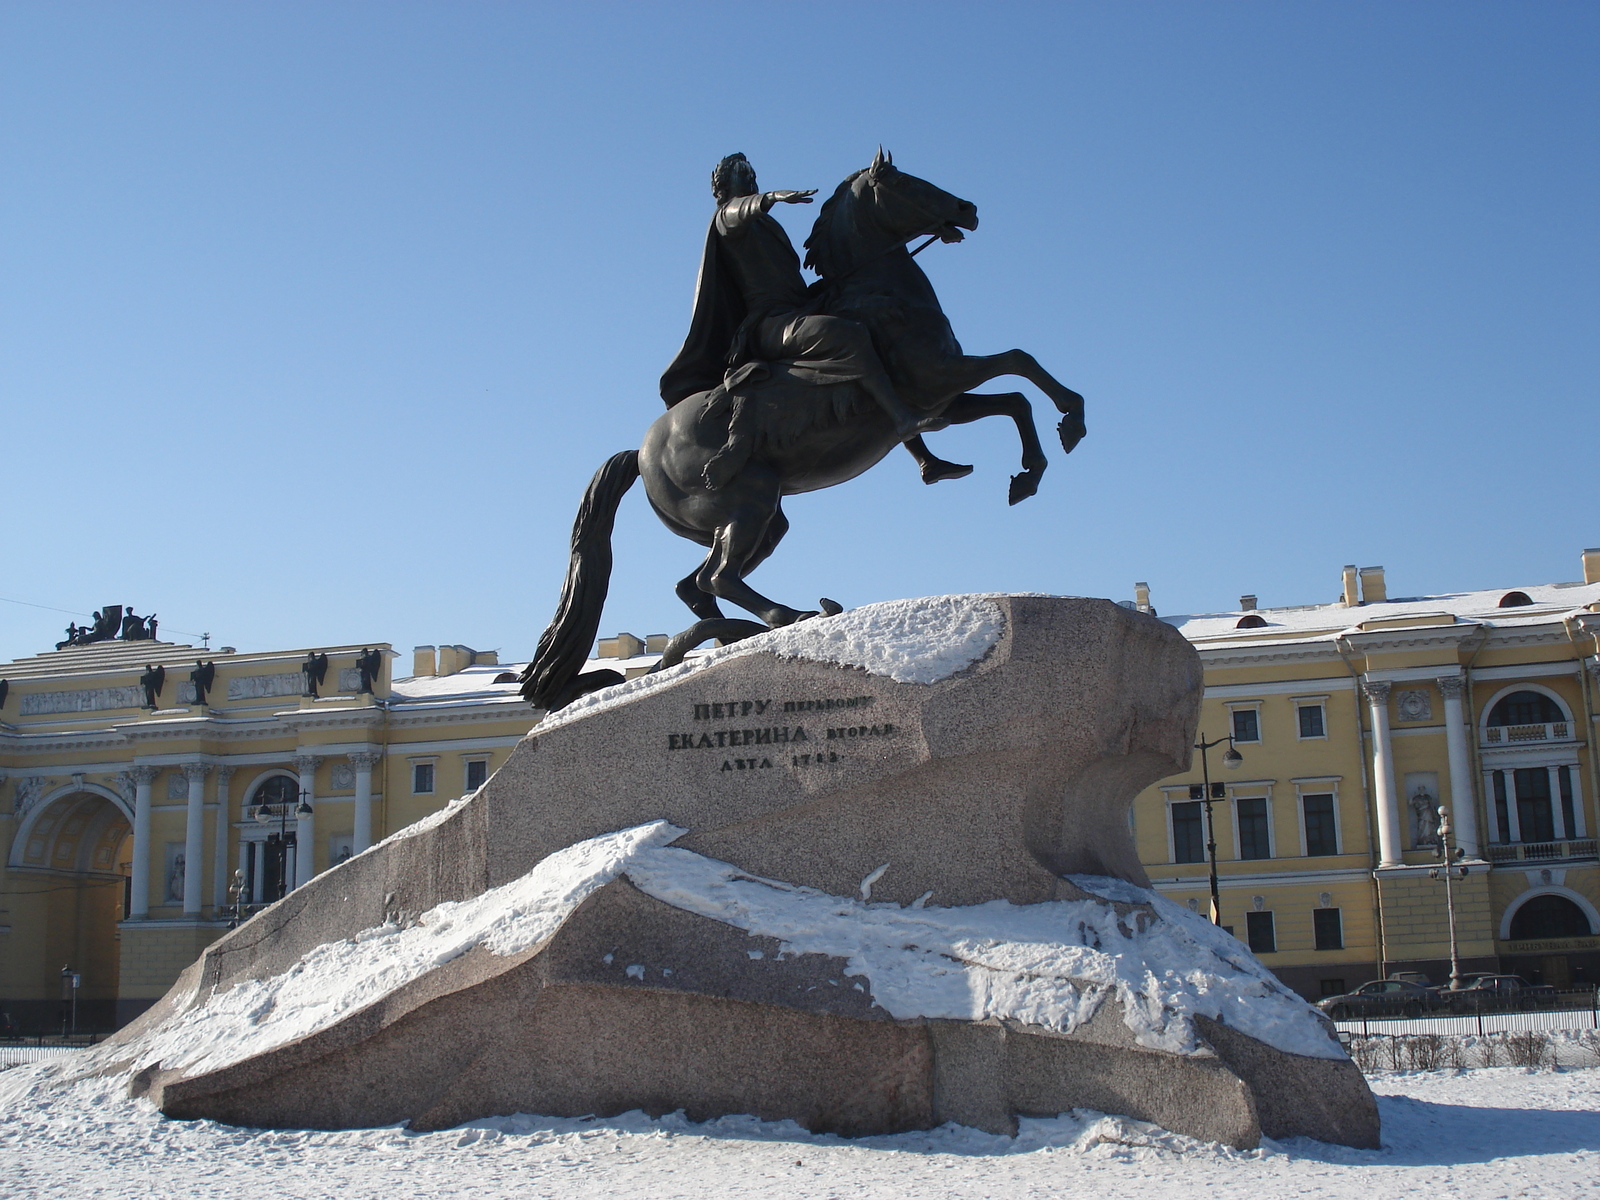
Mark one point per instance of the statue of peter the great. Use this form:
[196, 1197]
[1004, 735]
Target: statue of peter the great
[752, 305]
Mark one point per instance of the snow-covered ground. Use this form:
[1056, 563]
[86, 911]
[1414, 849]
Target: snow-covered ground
[1486, 1133]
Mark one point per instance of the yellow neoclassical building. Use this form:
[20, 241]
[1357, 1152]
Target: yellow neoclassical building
[148, 788]
[1354, 722]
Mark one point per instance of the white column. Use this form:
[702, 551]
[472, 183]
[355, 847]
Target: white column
[194, 837]
[219, 875]
[1463, 804]
[1579, 830]
[305, 826]
[363, 762]
[1509, 778]
[1383, 776]
[142, 777]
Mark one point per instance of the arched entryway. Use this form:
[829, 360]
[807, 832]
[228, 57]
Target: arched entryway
[1549, 916]
[1550, 934]
[68, 876]
[267, 852]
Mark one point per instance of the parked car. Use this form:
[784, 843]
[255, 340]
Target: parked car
[1500, 993]
[1383, 998]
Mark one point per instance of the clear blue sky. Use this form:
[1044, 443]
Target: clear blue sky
[315, 318]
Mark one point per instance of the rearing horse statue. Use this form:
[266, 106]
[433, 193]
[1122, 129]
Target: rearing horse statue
[717, 465]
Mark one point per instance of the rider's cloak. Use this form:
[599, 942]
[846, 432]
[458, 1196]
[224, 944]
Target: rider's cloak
[719, 311]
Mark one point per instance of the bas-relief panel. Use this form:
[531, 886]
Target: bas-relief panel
[260, 687]
[177, 785]
[39, 704]
[342, 777]
[1414, 704]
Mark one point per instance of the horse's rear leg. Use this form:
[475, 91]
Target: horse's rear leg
[740, 547]
[701, 603]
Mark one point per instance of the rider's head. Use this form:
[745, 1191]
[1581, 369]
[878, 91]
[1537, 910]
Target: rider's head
[733, 177]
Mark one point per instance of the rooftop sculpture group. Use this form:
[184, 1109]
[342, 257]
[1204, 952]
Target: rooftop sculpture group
[112, 622]
[783, 388]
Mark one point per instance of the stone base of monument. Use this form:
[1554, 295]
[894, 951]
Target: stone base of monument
[870, 873]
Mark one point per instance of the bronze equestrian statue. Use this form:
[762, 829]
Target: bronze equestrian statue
[782, 389]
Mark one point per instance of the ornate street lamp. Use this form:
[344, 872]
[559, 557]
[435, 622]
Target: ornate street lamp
[1208, 792]
[1441, 849]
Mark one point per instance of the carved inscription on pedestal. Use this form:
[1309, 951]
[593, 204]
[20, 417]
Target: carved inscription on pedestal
[766, 745]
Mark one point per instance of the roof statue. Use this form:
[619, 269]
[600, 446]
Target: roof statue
[783, 387]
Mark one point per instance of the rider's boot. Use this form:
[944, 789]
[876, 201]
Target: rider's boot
[935, 469]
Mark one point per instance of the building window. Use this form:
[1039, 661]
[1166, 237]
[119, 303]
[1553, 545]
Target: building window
[1246, 725]
[1254, 839]
[1311, 725]
[1188, 836]
[1259, 933]
[422, 779]
[1328, 929]
[477, 772]
[1502, 818]
[1321, 834]
[1526, 708]
[1534, 815]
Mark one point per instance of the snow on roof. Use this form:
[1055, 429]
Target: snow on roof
[1311, 622]
[468, 683]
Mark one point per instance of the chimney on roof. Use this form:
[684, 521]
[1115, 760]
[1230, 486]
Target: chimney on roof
[422, 661]
[1247, 603]
[456, 658]
[1373, 588]
[624, 645]
[1591, 566]
[1351, 599]
[1141, 597]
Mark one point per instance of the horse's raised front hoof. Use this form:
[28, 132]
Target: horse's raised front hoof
[830, 608]
[937, 471]
[1024, 485]
[1072, 432]
[1068, 401]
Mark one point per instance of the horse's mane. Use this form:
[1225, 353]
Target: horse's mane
[821, 246]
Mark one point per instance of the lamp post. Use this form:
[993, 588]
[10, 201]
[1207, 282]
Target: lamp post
[70, 980]
[236, 890]
[1441, 849]
[264, 815]
[1208, 792]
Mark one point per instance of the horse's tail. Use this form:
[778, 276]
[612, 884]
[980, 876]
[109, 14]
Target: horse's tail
[547, 682]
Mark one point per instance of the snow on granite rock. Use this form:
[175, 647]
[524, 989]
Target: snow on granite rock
[1051, 964]
[339, 978]
[908, 641]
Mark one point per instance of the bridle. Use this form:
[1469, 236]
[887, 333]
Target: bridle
[934, 236]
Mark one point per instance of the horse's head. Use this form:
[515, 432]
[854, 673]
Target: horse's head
[908, 207]
[882, 206]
